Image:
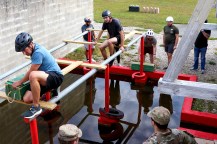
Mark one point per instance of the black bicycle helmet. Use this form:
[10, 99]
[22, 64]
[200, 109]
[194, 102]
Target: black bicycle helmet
[22, 41]
[87, 19]
[106, 13]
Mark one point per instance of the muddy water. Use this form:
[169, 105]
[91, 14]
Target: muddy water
[81, 107]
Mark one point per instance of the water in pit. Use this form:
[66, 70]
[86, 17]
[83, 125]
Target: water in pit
[81, 107]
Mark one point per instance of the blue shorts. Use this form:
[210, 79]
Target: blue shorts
[169, 48]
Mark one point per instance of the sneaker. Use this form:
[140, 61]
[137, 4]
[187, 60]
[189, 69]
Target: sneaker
[165, 68]
[202, 71]
[193, 69]
[32, 112]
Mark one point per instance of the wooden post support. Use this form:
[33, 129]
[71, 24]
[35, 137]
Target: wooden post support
[188, 88]
[197, 19]
[68, 62]
[43, 104]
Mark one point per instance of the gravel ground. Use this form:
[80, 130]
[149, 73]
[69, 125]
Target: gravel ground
[211, 60]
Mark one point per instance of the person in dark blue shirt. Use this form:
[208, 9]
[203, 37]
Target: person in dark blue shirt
[116, 34]
[200, 48]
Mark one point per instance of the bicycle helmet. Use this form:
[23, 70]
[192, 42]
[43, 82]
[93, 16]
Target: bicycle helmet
[150, 33]
[22, 41]
[106, 13]
[169, 18]
[87, 19]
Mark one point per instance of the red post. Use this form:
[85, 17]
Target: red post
[91, 94]
[141, 55]
[90, 47]
[47, 95]
[107, 89]
[33, 130]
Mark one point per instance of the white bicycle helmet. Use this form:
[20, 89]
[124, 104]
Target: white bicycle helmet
[150, 33]
[169, 18]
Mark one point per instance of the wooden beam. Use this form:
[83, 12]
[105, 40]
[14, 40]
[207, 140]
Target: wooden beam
[136, 32]
[70, 67]
[43, 104]
[209, 26]
[83, 42]
[97, 66]
[191, 89]
[80, 42]
[197, 19]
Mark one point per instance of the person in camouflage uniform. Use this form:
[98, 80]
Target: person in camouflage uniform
[160, 118]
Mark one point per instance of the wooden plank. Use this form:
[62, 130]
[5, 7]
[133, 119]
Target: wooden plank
[80, 42]
[83, 42]
[97, 66]
[209, 26]
[190, 89]
[43, 104]
[136, 32]
[197, 19]
[70, 67]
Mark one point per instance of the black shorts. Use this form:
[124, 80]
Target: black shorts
[54, 80]
[169, 48]
[118, 40]
[148, 50]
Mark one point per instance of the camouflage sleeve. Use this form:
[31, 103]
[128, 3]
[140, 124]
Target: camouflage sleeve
[188, 138]
[151, 140]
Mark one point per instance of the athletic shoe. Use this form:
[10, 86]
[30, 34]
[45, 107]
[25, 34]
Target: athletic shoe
[193, 69]
[202, 71]
[165, 68]
[32, 112]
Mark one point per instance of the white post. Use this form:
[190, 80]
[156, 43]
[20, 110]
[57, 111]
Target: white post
[198, 17]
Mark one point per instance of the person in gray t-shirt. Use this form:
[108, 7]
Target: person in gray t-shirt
[170, 38]
[150, 43]
[85, 27]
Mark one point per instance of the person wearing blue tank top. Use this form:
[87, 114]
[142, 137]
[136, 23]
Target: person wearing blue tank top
[44, 73]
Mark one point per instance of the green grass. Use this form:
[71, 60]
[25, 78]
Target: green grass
[212, 63]
[211, 38]
[180, 10]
